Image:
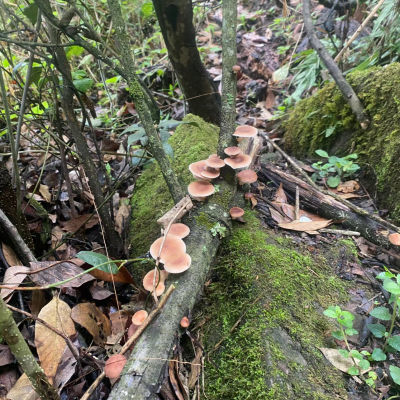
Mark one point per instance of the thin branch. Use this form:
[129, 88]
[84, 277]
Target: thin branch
[22, 249]
[348, 93]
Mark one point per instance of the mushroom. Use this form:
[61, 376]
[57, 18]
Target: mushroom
[240, 161]
[233, 151]
[197, 168]
[180, 230]
[149, 278]
[250, 196]
[246, 176]
[199, 190]
[114, 366]
[184, 322]
[139, 317]
[177, 263]
[245, 131]
[394, 238]
[172, 244]
[214, 162]
[236, 213]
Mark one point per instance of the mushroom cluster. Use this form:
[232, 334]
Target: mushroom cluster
[171, 252]
[204, 171]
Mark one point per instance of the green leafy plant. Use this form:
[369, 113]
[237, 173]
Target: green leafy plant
[335, 169]
[218, 230]
[382, 330]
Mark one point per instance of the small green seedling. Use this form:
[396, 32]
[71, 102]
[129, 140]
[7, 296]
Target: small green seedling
[335, 169]
[218, 230]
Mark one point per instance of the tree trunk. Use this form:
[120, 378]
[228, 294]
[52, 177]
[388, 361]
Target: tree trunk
[175, 19]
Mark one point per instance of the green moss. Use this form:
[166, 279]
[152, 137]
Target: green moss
[268, 285]
[378, 147]
[192, 141]
[205, 220]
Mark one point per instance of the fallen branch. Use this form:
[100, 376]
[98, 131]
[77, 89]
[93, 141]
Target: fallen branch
[131, 340]
[351, 206]
[348, 93]
[328, 207]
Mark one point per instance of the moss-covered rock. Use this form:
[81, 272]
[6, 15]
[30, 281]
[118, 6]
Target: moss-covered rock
[192, 141]
[378, 146]
[278, 293]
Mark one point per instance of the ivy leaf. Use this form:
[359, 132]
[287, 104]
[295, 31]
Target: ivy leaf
[391, 286]
[395, 373]
[97, 259]
[331, 312]
[364, 364]
[381, 313]
[378, 355]
[378, 330]
[351, 331]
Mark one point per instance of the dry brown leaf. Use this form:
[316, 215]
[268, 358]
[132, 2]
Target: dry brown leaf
[348, 186]
[45, 192]
[123, 276]
[8, 379]
[57, 272]
[280, 196]
[93, 320]
[56, 237]
[22, 390]
[173, 380]
[13, 276]
[74, 224]
[98, 292]
[10, 256]
[65, 370]
[6, 357]
[49, 345]
[195, 368]
[270, 100]
[122, 217]
[305, 226]
[337, 360]
[347, 196]
[277, 217]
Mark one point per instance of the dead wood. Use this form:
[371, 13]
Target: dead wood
[328, 207]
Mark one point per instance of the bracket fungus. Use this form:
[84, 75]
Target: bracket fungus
[233, 151]
[197, 168]
[199, 190]
[246, 176]
[114, 366]
[139, 317]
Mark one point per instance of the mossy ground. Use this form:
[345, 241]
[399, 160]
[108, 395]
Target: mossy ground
[260, 276]
[378, 147]
[273, 285]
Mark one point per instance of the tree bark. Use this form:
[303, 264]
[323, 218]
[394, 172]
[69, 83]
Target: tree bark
[228, 110]
[175, 18]
[142, 108]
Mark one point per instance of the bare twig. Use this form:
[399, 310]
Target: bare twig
[348, 93]
[358, 31]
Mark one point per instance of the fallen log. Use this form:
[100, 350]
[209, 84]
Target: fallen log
[328, 207]
[143, 375]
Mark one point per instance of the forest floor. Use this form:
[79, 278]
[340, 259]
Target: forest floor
[259, 331]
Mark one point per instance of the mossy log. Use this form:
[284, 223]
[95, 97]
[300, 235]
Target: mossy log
[378, 147]
[277, 290]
